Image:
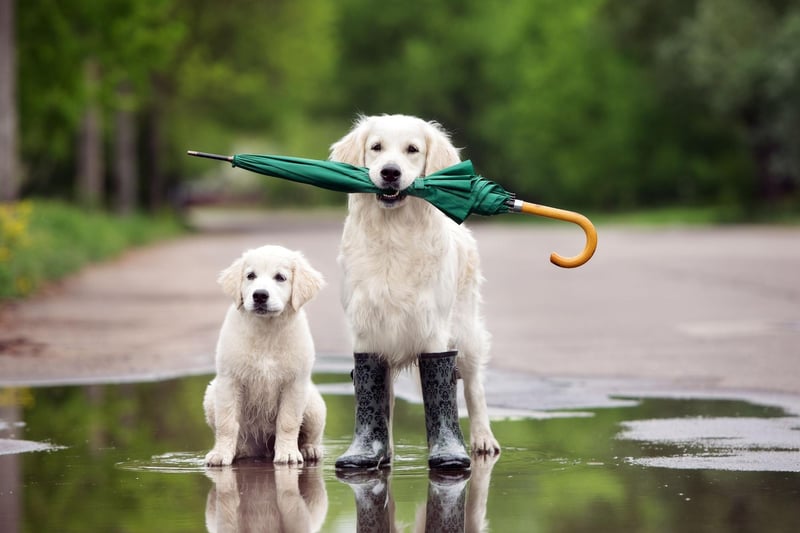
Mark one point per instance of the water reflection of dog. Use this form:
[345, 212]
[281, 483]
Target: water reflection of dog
[266, 497]
[450, 506]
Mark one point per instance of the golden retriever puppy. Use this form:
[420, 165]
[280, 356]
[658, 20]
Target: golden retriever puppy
[262, 402]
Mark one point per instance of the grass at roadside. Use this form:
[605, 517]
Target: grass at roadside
[681, 216]
[701, 216]
[42, 241]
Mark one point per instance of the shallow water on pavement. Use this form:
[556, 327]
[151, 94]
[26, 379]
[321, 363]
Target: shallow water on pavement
[129, 457]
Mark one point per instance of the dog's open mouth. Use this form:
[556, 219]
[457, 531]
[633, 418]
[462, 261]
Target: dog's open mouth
[390, 198]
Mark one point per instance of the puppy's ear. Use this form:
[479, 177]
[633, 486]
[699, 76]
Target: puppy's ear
[231, 281]
[350, 148]
[306, 282]
[441, 152]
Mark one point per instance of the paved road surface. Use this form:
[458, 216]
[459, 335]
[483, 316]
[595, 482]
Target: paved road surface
[705, 309]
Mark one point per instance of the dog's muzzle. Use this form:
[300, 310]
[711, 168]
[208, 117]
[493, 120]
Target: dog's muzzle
[260, 302]
[390, 176]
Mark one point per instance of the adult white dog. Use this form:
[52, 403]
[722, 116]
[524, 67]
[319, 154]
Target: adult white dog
[262, 402]
[410, 293]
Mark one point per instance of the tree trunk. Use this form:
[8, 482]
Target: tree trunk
[154, 170]
[90, 143]
[9, 156]
[125, 167]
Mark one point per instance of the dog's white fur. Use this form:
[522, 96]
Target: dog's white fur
[262, 402]
[411, 275]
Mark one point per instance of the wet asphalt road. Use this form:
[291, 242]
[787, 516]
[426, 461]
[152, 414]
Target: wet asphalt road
[715, 309]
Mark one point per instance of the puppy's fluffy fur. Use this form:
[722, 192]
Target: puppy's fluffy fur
[262, 402]
[411, 275]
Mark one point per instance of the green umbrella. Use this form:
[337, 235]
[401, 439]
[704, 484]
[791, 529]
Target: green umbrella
[456, 191]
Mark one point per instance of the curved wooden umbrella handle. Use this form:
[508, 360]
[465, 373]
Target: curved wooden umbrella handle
[568, 216]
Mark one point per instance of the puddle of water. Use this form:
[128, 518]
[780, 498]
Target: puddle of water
[130, 457]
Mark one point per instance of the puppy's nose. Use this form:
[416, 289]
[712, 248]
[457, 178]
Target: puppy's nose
[260, 296]
[391, 173]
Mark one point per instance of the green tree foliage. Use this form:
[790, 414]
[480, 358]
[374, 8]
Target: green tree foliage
[588, 103]
[729, 73]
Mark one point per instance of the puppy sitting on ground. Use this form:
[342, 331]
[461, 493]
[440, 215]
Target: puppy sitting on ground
[262, 402]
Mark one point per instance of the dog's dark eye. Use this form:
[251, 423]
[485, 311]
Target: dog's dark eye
[280, 278]
[376, 147]
[412, 149]
[251, 276]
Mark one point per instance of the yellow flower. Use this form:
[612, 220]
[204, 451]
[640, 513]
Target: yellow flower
[23, 285]
[14, 220]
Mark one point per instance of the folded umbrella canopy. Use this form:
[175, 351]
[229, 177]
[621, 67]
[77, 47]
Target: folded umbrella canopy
[456, 191]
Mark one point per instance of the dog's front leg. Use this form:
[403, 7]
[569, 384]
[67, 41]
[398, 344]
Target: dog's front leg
[226, 422]
[287, 427]
[482, 440]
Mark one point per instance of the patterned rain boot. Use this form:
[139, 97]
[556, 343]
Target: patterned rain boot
[446, 449]
[370, 447]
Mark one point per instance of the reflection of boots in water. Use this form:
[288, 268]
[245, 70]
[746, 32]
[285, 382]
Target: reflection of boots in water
[374, 503]
[446, 497]
[446, 449]
[371, 446]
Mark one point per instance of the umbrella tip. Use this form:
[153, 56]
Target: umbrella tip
[210, 156]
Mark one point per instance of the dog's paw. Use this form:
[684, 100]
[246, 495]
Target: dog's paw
[288, 456]
[218, 458]
[311, 452]
[484, 444]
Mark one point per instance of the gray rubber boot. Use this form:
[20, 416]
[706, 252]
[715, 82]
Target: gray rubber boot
[446, 449]
[370, 447]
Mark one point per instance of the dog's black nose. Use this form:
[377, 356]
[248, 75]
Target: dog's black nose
[391, 173]
[260, 296]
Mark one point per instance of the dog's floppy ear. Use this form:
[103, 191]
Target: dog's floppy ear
[231, 281]
[441, 152]
[350, 148]
[306, 282]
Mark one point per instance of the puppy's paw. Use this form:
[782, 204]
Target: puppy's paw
[484, 443]
[288, 456]
[311, 452]
[219, 458]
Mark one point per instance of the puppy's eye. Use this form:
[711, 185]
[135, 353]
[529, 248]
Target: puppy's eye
[251, 276]
[412, 149]
[376, 147]
[280, 278]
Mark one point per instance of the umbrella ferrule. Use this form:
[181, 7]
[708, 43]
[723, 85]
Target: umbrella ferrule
[515, 205]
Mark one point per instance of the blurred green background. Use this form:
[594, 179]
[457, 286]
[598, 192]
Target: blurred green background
[598, 105]
[605, 104]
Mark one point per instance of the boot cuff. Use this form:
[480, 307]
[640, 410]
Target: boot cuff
[438, 355]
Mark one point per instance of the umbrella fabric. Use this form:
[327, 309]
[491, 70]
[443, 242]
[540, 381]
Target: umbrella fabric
[456, 191]
[339, 177]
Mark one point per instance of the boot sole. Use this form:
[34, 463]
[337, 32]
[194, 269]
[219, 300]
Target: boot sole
[363, 463]
[449, 463]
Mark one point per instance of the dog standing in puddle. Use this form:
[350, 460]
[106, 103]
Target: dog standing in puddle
[411, 294]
